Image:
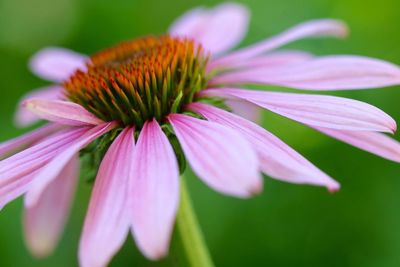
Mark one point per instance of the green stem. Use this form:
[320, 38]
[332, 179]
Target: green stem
[190, 233]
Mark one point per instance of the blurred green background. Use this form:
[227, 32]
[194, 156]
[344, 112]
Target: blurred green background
[286, 226]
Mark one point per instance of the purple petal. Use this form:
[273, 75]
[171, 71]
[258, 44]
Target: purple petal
[24, 117]
[324, 73]
[218, 29]
[22, 141]
[107, 221]
[376, 143]
[63, 112]
[313, 28]
[277, 159]
[57, 163]
[18, 171]
[220, 156]
[45, 221]
[155, 191]
[316, 110]
[57, 64]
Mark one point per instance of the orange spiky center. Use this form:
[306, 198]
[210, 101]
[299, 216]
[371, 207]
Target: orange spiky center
[141, 79]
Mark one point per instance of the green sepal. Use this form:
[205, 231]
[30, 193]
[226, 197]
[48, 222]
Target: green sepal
[180, 156]
[92, 155]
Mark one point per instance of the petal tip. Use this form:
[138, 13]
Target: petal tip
[39, 248]
[155, 251]
[40, 251]
[31, 198]
[25, 103]
[394, 128]
[256, 189]
[157, 254]
[344, 30]
[333, 188]
[336, 27]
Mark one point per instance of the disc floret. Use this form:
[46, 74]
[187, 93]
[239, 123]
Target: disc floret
[141, 79]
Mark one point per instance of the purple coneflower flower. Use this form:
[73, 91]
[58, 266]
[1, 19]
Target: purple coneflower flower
[143, 104]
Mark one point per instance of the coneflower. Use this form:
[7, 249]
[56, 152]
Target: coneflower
[146, 106]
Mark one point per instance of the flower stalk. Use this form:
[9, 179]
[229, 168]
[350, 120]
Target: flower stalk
[192, 240]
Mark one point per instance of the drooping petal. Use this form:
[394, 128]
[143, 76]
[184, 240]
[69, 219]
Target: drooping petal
[29, 138]
[324, 73]
[313, 28]
[316, 110]
[220, 156]
[15, 189]
[19, 171]
[45, 221]
[24, 117]
[277, 159]
[218, 29]
[62, 112]
[107, 220]
[57, 163]
[375, 143]
[244, 109]
[155, 191]
[57, 64]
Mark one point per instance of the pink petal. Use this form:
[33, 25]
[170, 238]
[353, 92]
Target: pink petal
[57, 64]
[220, 156]
[324, 73]
[155, 191]
[244, 109]
[277, 159]
[275, 60]
[189, 23]
[57, 163]
[45, 221]
[63, 112]
[18, 171]
[22, 141]
[376, 143]
[24, 117]
[107, 221]
[15, 189]
[313, 28]
[218, 29]
[316, 110]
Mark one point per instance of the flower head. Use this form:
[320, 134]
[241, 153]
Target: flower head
[143, 105]
[139, 80]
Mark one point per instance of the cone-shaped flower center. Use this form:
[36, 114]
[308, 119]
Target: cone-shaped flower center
[140, 79]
